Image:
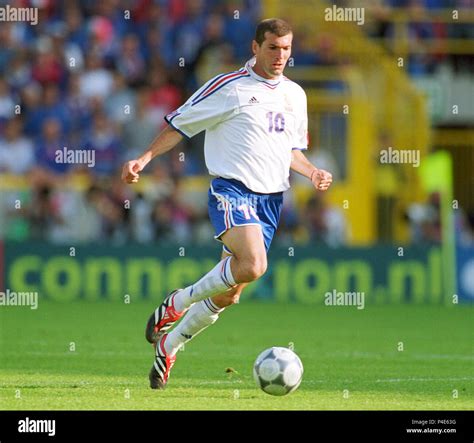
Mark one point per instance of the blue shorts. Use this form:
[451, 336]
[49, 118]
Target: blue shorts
[231, 204]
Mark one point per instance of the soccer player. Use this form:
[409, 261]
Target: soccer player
[256, 129]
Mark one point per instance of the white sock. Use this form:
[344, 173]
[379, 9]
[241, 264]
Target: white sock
[218, 280]
[199, 317]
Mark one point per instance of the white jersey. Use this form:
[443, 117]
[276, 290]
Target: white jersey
[251, 123]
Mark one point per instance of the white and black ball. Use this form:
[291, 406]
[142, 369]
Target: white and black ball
[278, 371]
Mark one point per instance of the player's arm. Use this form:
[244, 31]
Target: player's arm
[320, 178]
[166, 140]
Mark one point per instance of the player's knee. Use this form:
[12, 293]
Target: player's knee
[254, 268]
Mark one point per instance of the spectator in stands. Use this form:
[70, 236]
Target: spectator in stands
[68, 51]
[464, 227]
[187, 35]
[425, 220]
[7, 46]
[47, 67]
[163, 184]
[215, 54]
[75, 29]
[95, 81]
[171, 221]
[7, 103]
[16, 151]
[111, 214]
[78, 108]
[324, 223]
[164, 95]
[30, 97]
[88, 221]
[239, 27]
[141, 226]
[104, 141]
[120, 104]
[50, 141]
[43, 213]
[157, 36]
[141, 129]
[51, 107]
[290, 223]
[102, 39]
[18, 73]
[130, 62]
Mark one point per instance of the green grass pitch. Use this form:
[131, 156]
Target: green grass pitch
[87, 355]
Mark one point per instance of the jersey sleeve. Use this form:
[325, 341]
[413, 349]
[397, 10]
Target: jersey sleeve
[208, 106]
[301, 131]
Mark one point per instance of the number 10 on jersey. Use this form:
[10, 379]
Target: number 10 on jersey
[276, 123]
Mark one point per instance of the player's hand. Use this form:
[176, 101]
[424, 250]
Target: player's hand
[321, 179]
[130, 171]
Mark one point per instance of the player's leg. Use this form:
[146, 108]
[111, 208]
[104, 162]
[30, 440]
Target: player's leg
[201, 315]
[175, 305]
[248, 248]
[241, 231]
[230, 297]
[268, 214]
[248, 263]
[239, 226]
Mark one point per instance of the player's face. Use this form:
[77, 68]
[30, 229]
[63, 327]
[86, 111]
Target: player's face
[272, 55]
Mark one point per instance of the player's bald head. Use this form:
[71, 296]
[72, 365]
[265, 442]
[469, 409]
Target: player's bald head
[276, 26]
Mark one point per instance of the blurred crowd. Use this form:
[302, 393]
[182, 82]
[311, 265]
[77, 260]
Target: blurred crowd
[422, 28]
[100, 76]
[91, 76]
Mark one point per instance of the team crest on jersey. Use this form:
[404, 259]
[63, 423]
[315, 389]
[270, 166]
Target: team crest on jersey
[288, 105]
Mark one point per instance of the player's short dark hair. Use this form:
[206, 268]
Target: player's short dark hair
[276, 26]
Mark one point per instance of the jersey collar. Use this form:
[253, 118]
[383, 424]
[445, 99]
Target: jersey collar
[249, 65]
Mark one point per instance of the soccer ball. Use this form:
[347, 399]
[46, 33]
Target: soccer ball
[278, 371]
